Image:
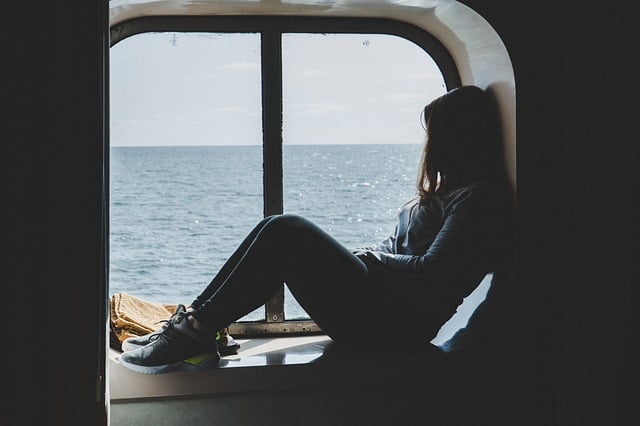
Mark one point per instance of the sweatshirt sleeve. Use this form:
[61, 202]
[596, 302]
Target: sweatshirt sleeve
[462, 246]
[385, 246]
[389, 245]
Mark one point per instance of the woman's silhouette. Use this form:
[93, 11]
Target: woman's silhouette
[445, 241]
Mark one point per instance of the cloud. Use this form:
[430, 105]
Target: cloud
[230, 108]
[311, 73]
[406, 97]
[314, 108]
[424, 75]
[240, 66]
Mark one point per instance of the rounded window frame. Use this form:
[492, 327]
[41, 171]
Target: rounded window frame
[294, 24]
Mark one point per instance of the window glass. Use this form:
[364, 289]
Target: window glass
[186, 160]
[352, 133]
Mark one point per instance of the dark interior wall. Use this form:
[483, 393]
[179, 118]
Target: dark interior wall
[51, 178]
[595, 328]
[562, 356]
[575, 65]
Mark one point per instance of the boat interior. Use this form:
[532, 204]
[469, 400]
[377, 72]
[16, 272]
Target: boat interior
[549, 344]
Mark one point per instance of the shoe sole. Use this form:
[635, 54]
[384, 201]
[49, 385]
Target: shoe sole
[196, 363]
[224, 351]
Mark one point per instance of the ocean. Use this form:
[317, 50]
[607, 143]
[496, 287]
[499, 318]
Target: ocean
[177, 213]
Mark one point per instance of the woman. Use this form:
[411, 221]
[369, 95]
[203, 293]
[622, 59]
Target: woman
[445, 241]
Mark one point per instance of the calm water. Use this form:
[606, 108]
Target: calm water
[177, 213]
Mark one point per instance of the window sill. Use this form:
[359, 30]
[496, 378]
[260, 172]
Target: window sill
[281, 364]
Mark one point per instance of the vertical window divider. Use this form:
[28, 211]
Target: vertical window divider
[271, 69]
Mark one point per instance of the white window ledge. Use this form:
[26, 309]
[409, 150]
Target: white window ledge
[286, 364]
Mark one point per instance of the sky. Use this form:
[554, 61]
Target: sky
[182, 89]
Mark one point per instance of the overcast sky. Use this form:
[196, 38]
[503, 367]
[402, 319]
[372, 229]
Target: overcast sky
[204, 89]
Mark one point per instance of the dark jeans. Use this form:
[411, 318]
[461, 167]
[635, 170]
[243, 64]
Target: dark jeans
[333, 285]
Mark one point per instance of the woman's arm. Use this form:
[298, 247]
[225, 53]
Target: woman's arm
[389, 245]
[385, 246]
[465, 244]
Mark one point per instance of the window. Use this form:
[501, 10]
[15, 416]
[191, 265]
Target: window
[219, 121]
[185, 122]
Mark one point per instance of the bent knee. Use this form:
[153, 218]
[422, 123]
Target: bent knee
[288, 225]
[288, 220]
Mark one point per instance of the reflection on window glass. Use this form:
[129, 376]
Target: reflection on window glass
[352, 132]
[186, 160]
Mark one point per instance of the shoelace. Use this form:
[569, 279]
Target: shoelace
[173, 319]
[164, 335]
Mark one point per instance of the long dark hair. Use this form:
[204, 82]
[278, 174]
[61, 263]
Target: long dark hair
[463, 141]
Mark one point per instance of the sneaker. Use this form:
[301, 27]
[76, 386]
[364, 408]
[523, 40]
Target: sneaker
[133, 343]
[226, 346]
[178, 347]
[231, 347]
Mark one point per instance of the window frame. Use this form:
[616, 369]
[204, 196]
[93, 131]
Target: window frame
[270, 29]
